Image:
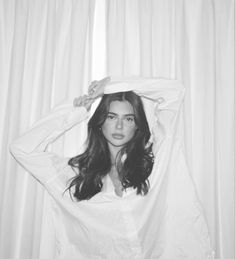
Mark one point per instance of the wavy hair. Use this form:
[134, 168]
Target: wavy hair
[92, 165]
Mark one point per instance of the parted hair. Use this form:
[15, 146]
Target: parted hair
[134, 161]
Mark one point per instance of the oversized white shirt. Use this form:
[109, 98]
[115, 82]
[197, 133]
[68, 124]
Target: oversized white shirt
[167, 223]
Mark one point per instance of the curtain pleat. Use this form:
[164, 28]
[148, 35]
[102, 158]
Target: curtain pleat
[45, 54]
[192, 41]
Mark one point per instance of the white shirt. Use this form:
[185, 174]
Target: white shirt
[167, 223]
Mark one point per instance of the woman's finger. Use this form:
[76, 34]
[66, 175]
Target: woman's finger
[96, 83]
[96, 88]
[77, 101]
[104, 80]
[93, 83]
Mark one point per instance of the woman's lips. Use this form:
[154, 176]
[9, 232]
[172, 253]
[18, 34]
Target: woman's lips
[118, 136]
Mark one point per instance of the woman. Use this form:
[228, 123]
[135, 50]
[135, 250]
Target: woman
[117, 129]
[125, 206]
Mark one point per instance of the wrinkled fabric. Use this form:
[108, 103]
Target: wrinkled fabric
[167, 223]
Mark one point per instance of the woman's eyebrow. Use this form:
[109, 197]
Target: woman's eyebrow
[128, 114]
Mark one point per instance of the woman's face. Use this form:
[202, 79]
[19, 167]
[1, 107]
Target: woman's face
[119, 126]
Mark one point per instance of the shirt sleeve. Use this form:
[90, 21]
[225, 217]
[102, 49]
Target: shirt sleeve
[30, 149]
[167, 95]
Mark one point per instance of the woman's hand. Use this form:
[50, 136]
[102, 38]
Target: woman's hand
[84, 100]
[95, 90]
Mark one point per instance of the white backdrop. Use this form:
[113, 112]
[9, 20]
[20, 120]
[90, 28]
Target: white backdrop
[51, 49]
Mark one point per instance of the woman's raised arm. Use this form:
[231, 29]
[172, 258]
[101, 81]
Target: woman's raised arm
[166, 93]
[30, 148]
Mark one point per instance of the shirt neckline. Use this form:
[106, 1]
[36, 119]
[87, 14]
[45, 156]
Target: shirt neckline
[108, 187]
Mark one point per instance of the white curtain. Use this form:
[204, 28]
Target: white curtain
[45, 56]
[51, 49]
[193, 41]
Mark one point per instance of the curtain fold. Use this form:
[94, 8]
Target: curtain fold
[224, 128]
[192, 41]
[45, 54]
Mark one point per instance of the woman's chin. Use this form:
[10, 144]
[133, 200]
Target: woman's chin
[117, 143]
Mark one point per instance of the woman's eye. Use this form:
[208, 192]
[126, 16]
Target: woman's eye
[130, 119]
[111, 117]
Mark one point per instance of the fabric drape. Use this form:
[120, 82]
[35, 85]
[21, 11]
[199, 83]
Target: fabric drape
[45, 54]
[192, 41]
[166, 223]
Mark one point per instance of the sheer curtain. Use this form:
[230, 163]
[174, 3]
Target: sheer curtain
[45, 50]
[192, 41]
[51, 49]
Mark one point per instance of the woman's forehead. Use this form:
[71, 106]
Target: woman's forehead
[121, 107]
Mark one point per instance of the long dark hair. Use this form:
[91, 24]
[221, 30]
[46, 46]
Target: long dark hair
[92, 165]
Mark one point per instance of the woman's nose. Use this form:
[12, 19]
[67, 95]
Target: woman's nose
[119, 124]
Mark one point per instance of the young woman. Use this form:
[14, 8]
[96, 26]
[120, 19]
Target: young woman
[129, 194]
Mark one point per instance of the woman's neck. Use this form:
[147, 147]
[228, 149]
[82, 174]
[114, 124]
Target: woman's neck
[113, 152]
